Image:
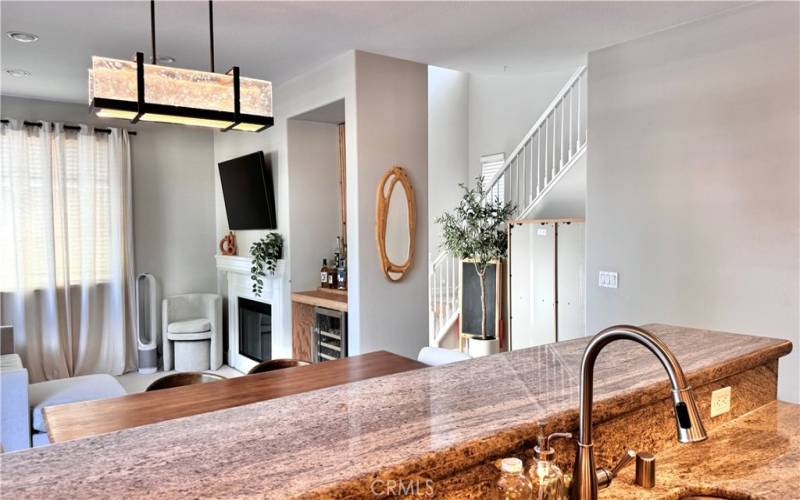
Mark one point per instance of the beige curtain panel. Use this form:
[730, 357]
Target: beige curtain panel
[66, 253]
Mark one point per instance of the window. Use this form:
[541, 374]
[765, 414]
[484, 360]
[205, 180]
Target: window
[55, 208]
[490, 166]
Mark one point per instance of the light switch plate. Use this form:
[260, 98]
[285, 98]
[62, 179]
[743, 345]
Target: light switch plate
[608, 279]
[720, 401]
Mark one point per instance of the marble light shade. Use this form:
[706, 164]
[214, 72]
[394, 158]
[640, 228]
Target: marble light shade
[116, 79]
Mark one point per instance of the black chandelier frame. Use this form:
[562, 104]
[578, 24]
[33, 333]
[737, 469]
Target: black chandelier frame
[142, 107]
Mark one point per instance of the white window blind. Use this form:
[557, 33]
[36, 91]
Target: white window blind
[56, 199]
[490, 166]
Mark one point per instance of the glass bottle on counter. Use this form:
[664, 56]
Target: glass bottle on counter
[324, 273]
[513, 484]
[546, 477]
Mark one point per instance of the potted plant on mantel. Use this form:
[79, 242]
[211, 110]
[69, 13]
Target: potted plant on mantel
[265, 255]
[473, 232]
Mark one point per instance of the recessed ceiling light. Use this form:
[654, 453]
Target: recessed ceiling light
[166, 59]
[21, 36]
[18, 73]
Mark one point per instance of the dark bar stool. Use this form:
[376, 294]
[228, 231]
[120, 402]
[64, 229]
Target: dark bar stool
[183, 378]
[276, 364]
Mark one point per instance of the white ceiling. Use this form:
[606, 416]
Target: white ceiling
[279, 40]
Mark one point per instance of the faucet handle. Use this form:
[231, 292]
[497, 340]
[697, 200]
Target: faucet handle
[645, 470]
[604, 476]
[625, 460]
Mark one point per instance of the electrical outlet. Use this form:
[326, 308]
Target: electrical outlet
[720, 401]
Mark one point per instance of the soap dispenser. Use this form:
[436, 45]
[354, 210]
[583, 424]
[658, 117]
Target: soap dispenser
[546, 476]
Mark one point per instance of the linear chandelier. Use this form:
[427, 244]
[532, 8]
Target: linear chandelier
[135, 91]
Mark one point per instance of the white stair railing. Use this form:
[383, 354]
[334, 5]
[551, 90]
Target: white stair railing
[551, 146]
[554, 143]
[443, 296]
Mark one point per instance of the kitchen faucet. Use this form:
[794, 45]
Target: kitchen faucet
[586, 478]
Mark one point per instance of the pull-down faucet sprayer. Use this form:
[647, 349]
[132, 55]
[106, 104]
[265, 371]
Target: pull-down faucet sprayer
[687, 417]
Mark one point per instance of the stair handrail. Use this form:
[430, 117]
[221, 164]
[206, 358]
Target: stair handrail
[559, 96]
[439, 258]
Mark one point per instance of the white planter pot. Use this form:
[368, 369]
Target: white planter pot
[478, 347]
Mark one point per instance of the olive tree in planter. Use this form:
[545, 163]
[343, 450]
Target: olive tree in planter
[265, 254]
[473, 230]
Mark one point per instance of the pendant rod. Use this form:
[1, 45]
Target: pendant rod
[211, 31]
[153, 59]
[65, 127]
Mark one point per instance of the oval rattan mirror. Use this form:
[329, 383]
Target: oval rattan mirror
[389, 221]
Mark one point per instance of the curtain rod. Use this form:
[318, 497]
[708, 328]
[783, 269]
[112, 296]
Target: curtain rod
[68, 127]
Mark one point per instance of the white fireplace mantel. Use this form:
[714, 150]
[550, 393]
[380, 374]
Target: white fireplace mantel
[237, 270]
[242, 265]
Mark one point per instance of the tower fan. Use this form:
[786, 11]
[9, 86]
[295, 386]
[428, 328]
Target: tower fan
[147, 322]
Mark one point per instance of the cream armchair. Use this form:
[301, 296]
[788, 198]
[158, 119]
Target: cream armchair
[192, 331]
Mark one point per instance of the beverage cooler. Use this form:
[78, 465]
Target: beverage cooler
[330, 335]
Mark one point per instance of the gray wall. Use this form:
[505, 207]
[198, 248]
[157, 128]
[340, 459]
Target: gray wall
[392, 129]
[173, 194]
[693, 178]
[448, 146]
[314, 204]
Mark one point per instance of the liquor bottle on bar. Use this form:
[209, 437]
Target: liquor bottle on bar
[324, 274]
[341, 271]
[334, 269]
[337, 252]
[331, 277]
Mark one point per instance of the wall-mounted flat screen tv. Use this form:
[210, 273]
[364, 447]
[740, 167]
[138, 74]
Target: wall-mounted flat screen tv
[248, 193]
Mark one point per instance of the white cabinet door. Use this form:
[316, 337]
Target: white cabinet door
[571, 281]
[521, 285]
[544, 279]
[532, 285]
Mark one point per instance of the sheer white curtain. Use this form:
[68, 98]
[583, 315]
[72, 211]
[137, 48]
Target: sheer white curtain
[66, 249]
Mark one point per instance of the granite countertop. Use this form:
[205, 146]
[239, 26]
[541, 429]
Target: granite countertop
[340, 438]
[754, 456]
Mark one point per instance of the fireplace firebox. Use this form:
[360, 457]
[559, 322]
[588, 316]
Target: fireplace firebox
[255, 329]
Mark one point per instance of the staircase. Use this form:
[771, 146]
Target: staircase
[551, 147]
[443, 283]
